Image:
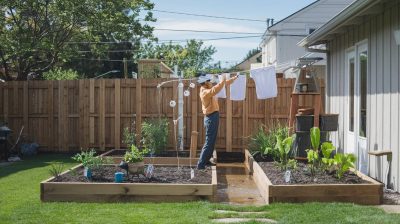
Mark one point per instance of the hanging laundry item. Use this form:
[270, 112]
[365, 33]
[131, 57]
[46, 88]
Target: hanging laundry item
[222, 93]
[238, 88]
[265, 80]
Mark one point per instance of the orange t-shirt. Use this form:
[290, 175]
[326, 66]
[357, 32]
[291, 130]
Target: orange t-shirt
[209, 102]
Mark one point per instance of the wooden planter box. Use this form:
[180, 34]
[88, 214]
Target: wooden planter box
[365, 194]
[125, 192]
[186, 161]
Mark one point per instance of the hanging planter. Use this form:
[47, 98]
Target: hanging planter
[304, 122]
[328, 122]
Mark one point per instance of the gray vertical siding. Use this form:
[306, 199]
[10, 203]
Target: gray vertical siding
[383, 101]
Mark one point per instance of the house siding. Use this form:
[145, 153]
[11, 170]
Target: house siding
[383, 101]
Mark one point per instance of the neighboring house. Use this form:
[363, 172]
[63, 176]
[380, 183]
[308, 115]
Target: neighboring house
[246, 64]
[154, 68]
[363, 85]
[279, 44]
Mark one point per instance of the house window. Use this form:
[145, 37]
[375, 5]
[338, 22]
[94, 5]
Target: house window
[351, 94]
[363, 58]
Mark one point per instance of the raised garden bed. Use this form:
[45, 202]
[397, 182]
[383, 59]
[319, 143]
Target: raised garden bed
[118, 154]
[360, 189]
[167, 184]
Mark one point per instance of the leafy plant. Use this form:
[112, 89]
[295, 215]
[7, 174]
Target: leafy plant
[343, 163]
[129, 136]
[284, 147]
[135, 155]
[88, 159]
[59, 74]
[264, 142]
[56, 169]
[327, 148]
[155, 134]
[313, 154]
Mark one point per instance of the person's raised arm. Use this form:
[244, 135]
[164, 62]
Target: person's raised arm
[231, 80]
[215, 89]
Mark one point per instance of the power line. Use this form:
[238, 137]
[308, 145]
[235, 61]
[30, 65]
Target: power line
[209, 16]
[205, 31]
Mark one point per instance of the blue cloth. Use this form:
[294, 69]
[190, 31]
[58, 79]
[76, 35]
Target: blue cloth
[211, 123]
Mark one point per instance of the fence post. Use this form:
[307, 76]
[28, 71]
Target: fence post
[194, 112]
[138, 110]
[117, 116]
[26, 107]
[102, 117]
[50, 112]
[91, 111]
[61, 116]
[245, 117]
[6, 102]
[228, 120]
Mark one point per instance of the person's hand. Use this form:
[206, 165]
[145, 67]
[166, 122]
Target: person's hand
[223, 78]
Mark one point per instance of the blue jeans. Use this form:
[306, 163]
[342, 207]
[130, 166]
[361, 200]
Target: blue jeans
[211, 123]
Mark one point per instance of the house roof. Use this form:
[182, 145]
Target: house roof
[349, 16]
[313, 15]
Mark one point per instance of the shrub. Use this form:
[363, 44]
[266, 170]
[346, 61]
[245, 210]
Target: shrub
[59, 74]
[155, 134]
[56, 169]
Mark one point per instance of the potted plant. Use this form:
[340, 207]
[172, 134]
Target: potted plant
[89, 161]
[133, 159]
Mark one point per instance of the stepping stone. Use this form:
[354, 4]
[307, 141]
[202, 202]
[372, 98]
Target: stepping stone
[239, 220]
[241, 213]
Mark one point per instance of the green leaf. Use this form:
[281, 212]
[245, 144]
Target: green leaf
[315, 137]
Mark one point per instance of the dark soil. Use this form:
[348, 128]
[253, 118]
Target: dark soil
[302, 176]
[161, 174]
[160, 154]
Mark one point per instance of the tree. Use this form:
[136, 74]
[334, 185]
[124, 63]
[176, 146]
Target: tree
[36, 35]
[190, 58]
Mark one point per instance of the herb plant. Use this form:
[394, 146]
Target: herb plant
[343, 163]
[155, 134]
[135, 155]
[327, 148]
[56, 169]
[88, 159]
[284, 147]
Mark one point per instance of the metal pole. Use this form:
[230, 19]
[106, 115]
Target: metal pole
[180, 112]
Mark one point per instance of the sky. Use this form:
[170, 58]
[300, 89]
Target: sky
[232, 51]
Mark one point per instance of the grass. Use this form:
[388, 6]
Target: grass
[20, 203]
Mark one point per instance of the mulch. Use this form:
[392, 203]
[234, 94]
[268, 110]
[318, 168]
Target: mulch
[161, 174]
[302, 175]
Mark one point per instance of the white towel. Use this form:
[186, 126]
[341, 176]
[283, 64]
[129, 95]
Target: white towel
[222, 93]
[238, 88]
[265, 80]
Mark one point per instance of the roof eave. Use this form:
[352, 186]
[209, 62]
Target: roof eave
[319, 35]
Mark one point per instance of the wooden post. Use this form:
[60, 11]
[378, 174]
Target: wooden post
[102, 115]
[194, 109]
[91, 111]
[317, 107]
[117, 116]
[26, 107]
[228, 120]
[6, 102]
[50, 111]
[138, 105]
[193, 144]
[86, 123]
[81, 113]
[61, 116]
[245, 118]
[16, 100]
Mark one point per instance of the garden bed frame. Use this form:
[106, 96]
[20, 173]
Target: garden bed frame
[125, 192]
[365, 194]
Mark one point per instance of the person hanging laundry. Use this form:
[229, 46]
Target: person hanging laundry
[265, 80]
[222, 93]
[238, 88]
[210, 109]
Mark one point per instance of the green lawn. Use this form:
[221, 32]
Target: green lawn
[20, 203]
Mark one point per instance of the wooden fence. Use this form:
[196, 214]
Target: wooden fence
[64, 116]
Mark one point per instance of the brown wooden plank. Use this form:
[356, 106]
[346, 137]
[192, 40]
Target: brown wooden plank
[91, 110]
[138, 106]
[102, 122]
[117, 120]
[193, 144]
[228, 127]
[50, 110]
[26, 107]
